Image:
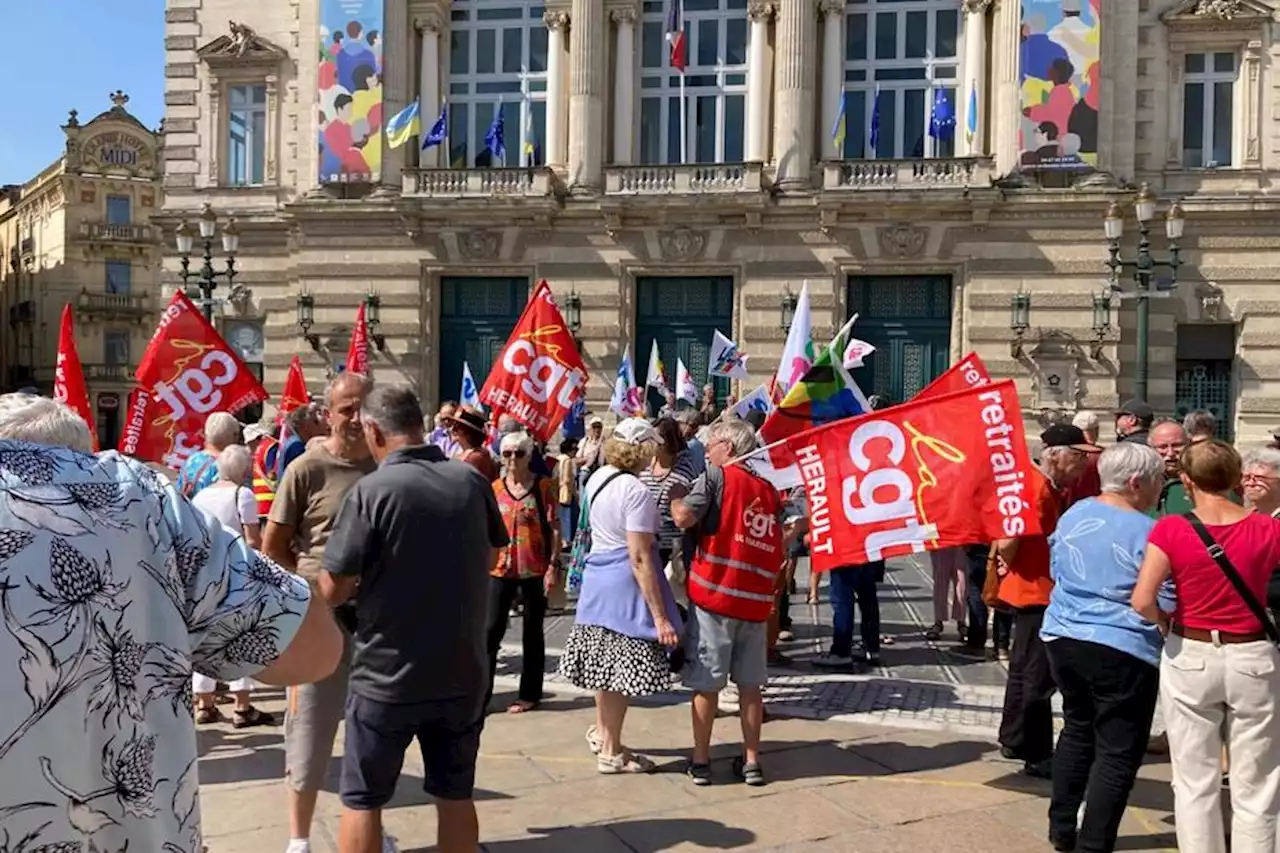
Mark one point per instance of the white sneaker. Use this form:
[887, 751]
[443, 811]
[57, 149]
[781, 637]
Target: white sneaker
[826, 660]
[389, 844]
[299, 845]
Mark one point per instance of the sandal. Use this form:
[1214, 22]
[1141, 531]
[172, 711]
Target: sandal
[521, 707]
[886, 640]
[208, 716]
[251, 717]
[625, 762]
[934, 632]
[594, 741]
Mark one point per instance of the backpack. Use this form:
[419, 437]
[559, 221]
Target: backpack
[582, 538]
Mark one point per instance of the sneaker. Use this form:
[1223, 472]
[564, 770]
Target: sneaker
[934, 632]
[699, 773]
[1039, 769]
[1002, 654]
[1065, 843]
[389, 844]
[785, 635]
[827, 660]
[299, 845]
[749, 773]
[873, 659]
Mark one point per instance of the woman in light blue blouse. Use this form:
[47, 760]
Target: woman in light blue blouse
[1105, 658]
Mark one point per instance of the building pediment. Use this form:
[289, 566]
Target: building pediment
[242, 47]
[1217, 15]
[113, 142]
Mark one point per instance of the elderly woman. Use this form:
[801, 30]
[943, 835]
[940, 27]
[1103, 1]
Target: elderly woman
[1104, 657]
[221, 430]
[1219, 666]
[232, 504]
[626, 616]
[529, 567]
[1261, 486]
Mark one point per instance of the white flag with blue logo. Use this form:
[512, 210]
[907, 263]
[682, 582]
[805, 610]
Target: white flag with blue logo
[626, 401]
[470, 395]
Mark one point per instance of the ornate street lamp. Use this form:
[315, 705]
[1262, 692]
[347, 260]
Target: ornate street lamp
[373, 320]
[788, 308]
[573, 312]
[1101, 321]
[1019, 321]
[207, 277]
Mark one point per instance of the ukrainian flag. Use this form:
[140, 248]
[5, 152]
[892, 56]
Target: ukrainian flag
[839, 130]
[404, 124]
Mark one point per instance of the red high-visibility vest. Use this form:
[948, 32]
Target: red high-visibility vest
[735, 568]
[264, 484]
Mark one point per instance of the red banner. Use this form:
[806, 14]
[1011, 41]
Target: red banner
[968, 372]
[295, 393]
[929, 474]
[540, 373]
[358, 349]
[187, 373]
[68, 376]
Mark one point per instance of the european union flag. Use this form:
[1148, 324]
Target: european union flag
[942, 119]
[873, 138]
[495, 137]
[439, 131]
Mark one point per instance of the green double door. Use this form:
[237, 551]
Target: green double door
[681, 313]
[476, 319]
[908, 320]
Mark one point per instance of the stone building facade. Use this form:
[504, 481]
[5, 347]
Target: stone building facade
[79, 233]
[663, 225]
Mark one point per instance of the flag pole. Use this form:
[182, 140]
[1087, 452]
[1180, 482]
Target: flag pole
[684, 128]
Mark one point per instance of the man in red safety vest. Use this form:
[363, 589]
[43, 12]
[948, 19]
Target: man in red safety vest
[736, 520]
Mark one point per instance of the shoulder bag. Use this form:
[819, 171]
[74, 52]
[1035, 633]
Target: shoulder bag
[1242, 589]
[582, 538]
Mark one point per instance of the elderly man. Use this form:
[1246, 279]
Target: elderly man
[298, 530]
[1169, 439]
[1088, 485]
[442, 436]
[1200, 425]
[419, 669]
[737, 520]
[1026, 729]
[1133, 421]
[114, 589]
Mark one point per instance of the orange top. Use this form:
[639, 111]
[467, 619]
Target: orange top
[1027, 583]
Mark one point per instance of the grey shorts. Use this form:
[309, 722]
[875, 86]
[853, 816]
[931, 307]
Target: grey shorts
[720, 649]
[311, 724]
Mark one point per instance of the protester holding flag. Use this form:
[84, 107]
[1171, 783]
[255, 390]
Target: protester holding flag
[221, 430]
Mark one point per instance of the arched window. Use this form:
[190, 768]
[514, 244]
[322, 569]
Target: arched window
[908, 51]
[497, 61]
[715, 83]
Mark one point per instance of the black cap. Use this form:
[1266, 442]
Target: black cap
[1139, 409]
[1067, 435]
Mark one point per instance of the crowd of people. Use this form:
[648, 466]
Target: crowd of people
[1143, 604]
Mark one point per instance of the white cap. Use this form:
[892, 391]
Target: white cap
[596, 420]
[635, 431]
[254, 431]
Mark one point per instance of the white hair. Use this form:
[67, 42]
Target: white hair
[234, 463]
[43, 420]
[221, 430]
[1086, 422]
[517, 441]
[738, 433]
[1262, 457]
[1120, 463]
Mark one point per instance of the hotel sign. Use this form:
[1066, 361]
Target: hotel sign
[118, 150]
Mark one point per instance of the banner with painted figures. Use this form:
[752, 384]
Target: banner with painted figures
[350, 91]
[1061, 84]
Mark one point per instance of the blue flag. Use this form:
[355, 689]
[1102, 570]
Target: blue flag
[873, 138]
[439, 131]
[494, 137]
[942, 119]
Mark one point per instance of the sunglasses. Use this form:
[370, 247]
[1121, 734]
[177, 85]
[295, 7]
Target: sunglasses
[513, 454]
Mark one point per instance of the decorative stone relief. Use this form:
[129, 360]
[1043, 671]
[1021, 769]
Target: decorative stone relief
[1210, 297]
[623, 16]
[1222, 9]
[479, 245]
[760, 10]
[903, 240]
[976, 7]
[682, 244]
[429, 21]
[556, 20]
[1056, 383]
[830, 7]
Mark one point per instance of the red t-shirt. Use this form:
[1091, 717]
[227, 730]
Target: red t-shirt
[1206, 599]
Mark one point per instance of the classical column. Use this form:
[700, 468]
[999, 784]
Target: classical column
[1252, 72]
[428, 26]
[586, 96]
[558, 25]
[396, 87]
[1006, 101]
[832, 74]
[974, 84]
[793, 127]
[758, 73]
[624, 86]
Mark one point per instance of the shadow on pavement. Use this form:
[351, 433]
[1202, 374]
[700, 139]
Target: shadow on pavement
[637, 836]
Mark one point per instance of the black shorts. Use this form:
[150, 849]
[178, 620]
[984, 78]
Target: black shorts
[378, 734]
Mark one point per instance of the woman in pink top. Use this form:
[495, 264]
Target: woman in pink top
[1218, 664]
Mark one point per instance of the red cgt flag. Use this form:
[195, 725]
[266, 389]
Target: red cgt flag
[68, 376]
[540, 373]
[187, 373]
[968, 372]
[932, 473]
[358, 349]
[295, 389]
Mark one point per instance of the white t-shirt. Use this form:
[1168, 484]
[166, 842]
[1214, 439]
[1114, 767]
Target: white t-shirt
[233, 507]
[626, 506]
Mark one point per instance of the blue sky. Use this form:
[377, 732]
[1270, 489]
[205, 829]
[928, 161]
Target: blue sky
[71, 54]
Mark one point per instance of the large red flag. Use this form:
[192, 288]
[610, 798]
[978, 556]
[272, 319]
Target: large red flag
[358, 349]
[540, 373]
[932, 473]
[68, 376]
[187, 373]
[968, 372]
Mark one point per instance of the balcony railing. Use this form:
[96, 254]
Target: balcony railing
[109, 233]
[512, 182]
[953, 173]
[118, 304]
[709, 178]
[108, 372]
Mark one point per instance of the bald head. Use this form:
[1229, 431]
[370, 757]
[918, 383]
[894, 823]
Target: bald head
[1169, 439]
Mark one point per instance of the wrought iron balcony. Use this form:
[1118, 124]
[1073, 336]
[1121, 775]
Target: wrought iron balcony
[105, 232]
[109, 372]
[914, 174]
[509, 182]
[700, 179]
[133, 306]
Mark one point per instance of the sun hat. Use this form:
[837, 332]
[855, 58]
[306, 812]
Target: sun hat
[636, 431]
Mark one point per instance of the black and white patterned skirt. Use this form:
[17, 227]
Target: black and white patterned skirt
[597, 658]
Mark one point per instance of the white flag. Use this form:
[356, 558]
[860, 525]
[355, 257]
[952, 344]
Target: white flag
[757, 400]
[626, 401]
[686, 389]
[470, 395]
[726, 359]
[657, 376]
[798, 354]
[855, 352]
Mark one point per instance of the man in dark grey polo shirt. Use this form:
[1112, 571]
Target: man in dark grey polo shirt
[412, 545]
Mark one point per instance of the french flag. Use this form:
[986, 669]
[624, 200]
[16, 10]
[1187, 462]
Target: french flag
[675, 34]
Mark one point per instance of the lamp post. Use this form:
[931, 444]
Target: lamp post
[1144, 266]
[573, 312]
[788, 307]
[373, 320]
[207, 277]
[1019, 321]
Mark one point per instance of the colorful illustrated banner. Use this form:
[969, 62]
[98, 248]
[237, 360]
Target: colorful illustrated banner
[350, 84]
[1061, 80]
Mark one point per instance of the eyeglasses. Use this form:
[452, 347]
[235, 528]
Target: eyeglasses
[513, 454]
[1258, 478]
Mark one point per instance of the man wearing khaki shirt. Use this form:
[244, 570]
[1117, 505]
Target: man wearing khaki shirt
[298, 529]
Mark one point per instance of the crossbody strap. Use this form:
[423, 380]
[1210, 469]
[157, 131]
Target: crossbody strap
[1224, 563]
